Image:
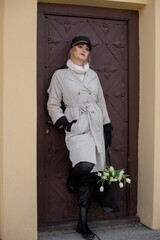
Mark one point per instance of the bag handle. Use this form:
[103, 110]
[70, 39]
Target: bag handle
[109, 156]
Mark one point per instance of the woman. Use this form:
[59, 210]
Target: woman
[85, 121]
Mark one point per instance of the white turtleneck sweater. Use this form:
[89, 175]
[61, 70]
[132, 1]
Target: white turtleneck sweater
[79, 70]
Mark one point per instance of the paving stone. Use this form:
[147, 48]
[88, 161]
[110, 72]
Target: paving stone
[123, 232]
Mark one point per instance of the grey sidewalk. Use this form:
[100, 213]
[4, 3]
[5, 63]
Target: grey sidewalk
[123, 232]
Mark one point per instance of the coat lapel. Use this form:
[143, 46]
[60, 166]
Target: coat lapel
[90, 75]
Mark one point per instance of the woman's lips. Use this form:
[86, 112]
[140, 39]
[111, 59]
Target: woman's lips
[82, 54]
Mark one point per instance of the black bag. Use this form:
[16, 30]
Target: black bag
[109, 199]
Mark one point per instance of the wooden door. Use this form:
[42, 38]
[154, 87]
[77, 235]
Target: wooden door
[114, 36]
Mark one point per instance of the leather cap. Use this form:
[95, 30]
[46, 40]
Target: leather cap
[81, 40]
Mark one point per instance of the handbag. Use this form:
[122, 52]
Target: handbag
[109, 199]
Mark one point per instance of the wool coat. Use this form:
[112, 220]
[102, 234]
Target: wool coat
[85, 103]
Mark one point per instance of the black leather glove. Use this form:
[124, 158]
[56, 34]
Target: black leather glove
[64, 124]
[69, 125]
[108, 132]
[108, 140]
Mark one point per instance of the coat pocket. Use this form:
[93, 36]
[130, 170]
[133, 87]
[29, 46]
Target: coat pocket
[99, 116]
[70, 115]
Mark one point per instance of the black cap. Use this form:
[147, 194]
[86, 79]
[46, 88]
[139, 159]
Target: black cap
[81, 40]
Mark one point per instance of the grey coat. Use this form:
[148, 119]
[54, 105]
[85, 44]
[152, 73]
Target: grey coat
[84, 102]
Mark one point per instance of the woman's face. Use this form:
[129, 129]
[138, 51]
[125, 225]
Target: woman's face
[80, 53]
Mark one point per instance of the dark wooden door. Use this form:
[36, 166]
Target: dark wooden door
[114, 36]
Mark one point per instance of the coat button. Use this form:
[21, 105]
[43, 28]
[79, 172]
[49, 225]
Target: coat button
[89, 93]
[92, 111]
[78, 93]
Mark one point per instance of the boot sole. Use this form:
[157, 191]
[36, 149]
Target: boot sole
[91, 237]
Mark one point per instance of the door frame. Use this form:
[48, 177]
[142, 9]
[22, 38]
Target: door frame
[132, 18]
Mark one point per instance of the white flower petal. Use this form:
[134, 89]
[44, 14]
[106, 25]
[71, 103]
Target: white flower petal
[128, 180]
[121, 185]
[101, 189]
[111, 168]
[111, 179]
[106, 174]
[104, 177]
[115, 179]
[99, 174]
[120, 178]
[121, 172]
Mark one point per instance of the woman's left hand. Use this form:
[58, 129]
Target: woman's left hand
[108, 139]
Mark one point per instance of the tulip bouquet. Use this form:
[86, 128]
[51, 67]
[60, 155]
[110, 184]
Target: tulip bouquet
[112, 175]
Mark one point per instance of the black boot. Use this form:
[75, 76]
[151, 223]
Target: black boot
[72, 181]
[82, 226]
[75, 174]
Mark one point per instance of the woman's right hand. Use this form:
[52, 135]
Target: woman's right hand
[69, 125]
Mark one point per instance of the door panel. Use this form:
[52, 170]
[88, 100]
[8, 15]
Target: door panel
[110, 59]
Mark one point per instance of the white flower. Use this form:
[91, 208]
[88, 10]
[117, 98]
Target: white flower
[101, 189]
[111, 179]
[113, 173]
[115, 180]
[120, 177]
[111, 168]
[106, 174]
[121, 185]
[104, 177]
[128, 180]
[99, 174]
[121, 173]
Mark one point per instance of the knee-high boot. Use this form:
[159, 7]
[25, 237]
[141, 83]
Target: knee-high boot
[82, 226]
[75, 174]
[72, 181]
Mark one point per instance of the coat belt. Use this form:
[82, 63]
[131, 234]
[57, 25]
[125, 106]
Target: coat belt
[83, 108]
[86, 108]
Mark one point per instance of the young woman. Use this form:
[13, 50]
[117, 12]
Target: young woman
[85, 121]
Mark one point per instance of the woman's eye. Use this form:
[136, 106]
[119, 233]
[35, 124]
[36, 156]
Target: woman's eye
[87, 49]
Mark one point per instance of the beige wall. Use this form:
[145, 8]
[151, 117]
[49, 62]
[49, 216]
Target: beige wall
[19, 121]
[1, 110]
[156, 208]
[120, 4]
[18, 153]
[149, 131]
[147, 110]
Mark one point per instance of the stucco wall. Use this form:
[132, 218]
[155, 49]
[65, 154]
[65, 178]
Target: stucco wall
[149, 131]
[19, 116]
[1, 91]
[120, 4]
[156, 205]
[147, 110]
[19, 121]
